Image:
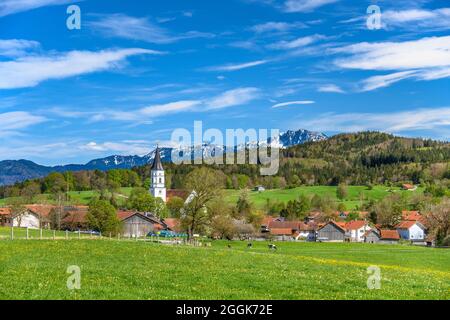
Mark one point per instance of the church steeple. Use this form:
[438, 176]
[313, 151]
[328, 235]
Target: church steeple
[157, 165]
[158, 187]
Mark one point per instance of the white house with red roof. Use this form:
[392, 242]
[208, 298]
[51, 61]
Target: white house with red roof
[412, 230]
[356, 230]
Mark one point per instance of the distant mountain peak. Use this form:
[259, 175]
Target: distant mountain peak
[12, 171]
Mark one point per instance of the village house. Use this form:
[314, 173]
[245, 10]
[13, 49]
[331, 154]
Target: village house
[409, 187]
[381, 236]
[34, 217]
[413, 231]
[355, 230]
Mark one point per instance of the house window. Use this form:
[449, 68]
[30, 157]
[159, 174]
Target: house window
[160, 180]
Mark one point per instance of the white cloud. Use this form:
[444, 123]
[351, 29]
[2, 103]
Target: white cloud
[123, 26]
[438, 19]
[16, 47]
[330, 88]
[376, 82]
[291, 103]
[422, 59]
[145, 115]
[233, 98]
[420, 119]
[239, 66]
[10, 122]
[297, 43]
[423, 53]
[32, 70]
[305, 5]
[122, 148]
[273, 26]
[8, 7]
[174, 107]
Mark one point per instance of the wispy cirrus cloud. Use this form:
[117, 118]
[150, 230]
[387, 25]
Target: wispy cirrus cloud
[423, 59]
[292, 103]
[233, 98]
[147, 114]
[29, 71]
[121, 147]
[277, 27]
[142, 29]
[12, 122]
[17, 47]
[237, 66]
[297, 43]
[305, 5]
[430, 119]
[332, 88]
[417, 19]
[8, 7]
[376, 82]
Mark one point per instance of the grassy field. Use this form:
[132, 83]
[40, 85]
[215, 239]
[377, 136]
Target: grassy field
[80, 197]
[21, 233]
[113, 269]
[353, 199]
[259, 199]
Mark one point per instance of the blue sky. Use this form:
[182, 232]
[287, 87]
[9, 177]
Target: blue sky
[137, 70]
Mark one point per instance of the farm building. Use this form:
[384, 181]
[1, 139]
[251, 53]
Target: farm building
[381, 236]
[137, 224]
[288, 230]
[332, 231]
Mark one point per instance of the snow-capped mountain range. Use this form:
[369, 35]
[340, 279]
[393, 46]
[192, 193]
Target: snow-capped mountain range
[12, 171]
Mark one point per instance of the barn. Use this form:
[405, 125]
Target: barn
[137, 224]
[332, 232]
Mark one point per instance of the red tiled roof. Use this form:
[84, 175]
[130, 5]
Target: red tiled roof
[340, 225]
[355, 225]
[122, 215]
[281, 231]
[172, 224]
[411, 215]
[5, 211]
[183, 194]
[408, 186]
[285, 225]
[75, 217]
[267, 220]
[389, 235]
[42, 210]
[406, 224]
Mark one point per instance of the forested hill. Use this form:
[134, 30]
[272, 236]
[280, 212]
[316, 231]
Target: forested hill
[366, 158]
[359, 159]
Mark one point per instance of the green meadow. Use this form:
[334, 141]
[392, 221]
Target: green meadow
[356, 194]
[112, 269]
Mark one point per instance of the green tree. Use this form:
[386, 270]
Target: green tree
[102, 217]
[30, 190]
[342, 191]
[141, 200]
[174, 205]
[205, 185]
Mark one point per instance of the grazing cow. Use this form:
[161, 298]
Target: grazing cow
[272, 247]
[250, 245]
